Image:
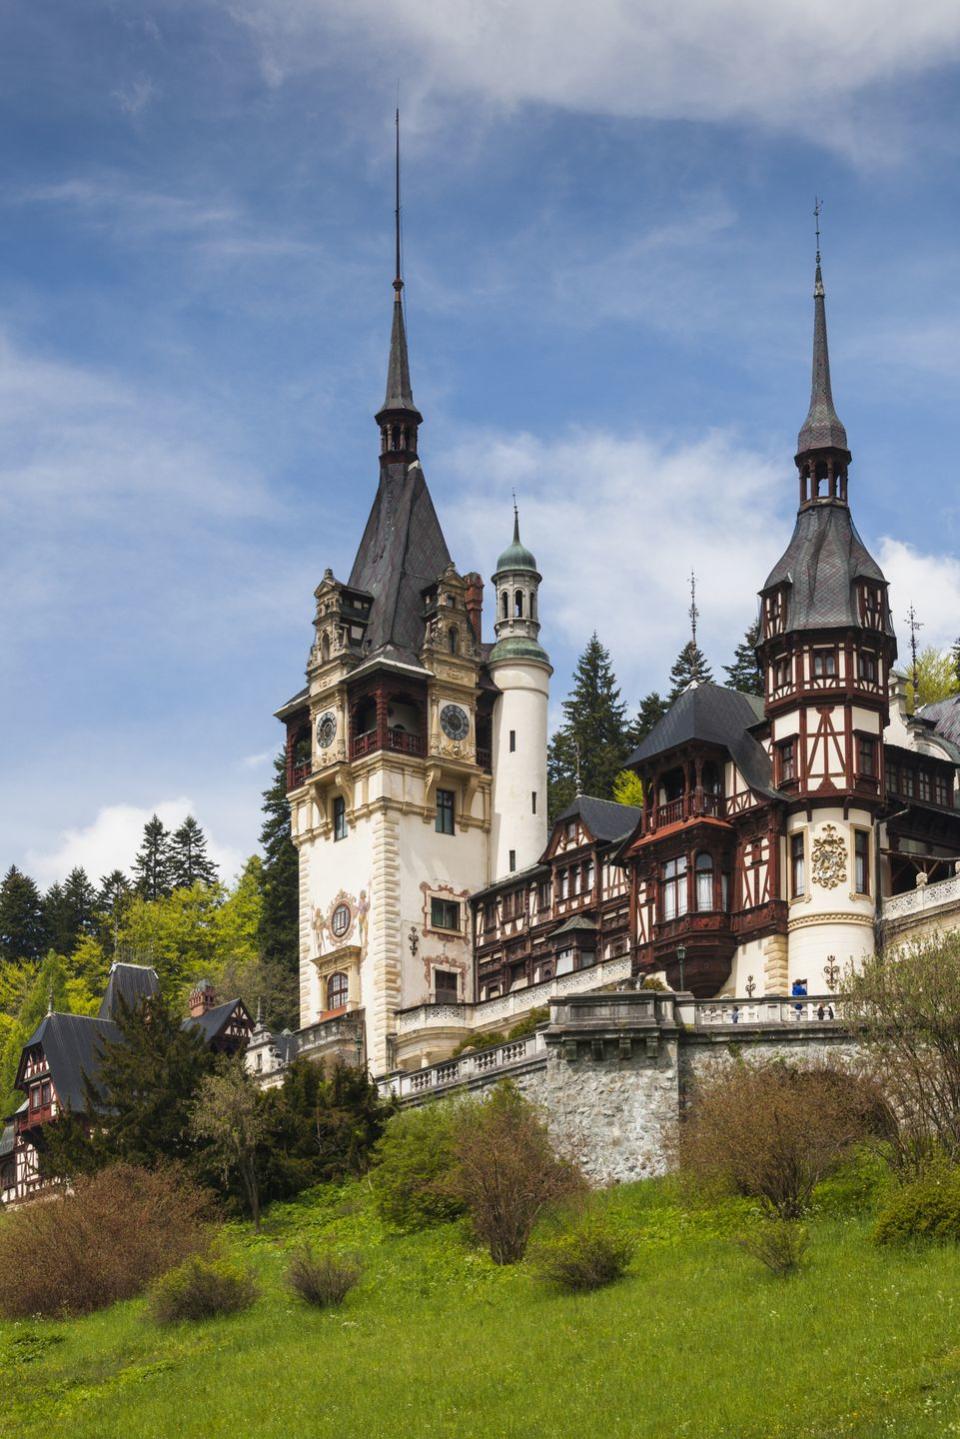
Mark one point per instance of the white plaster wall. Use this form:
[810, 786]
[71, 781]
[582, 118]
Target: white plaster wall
[522, 707]
[828, 920]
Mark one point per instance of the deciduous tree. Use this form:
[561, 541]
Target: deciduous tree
[230, 1120]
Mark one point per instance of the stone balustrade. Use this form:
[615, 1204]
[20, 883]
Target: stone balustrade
[485, 1065]
[925, 899]
[715, 1013]
[492, 1012]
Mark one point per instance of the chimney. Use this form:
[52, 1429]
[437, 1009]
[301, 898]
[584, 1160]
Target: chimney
[475, 603]
[202, 998]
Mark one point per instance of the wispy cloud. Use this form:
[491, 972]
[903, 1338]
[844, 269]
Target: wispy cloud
[929, 582]
[805, 65]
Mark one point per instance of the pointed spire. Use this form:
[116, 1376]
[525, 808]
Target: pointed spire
[822, 429]
[398, 417]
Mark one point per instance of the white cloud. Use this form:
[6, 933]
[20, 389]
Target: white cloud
[136, 95]
[113, 838]
[259, 761]
[794, 63]
[617, 523]
[929, 582]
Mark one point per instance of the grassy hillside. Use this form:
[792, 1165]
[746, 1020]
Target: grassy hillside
[437, 1342]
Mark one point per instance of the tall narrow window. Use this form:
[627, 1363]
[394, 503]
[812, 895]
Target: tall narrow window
[533, 801]
[444, 821]
[454, 640]
[797, 885]
[861, 857]
[867, 755]
[513, 741]
[505, 605]
[446, 985]
[674, 887]
[518, 604]
[704, 882]
[338, 988]
[339, 818]
[788, 761]
[513, 860]
[564, 878]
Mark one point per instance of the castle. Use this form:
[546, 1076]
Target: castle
[778, 836]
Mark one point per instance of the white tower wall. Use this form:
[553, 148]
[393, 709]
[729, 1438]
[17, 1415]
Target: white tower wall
[519, 829]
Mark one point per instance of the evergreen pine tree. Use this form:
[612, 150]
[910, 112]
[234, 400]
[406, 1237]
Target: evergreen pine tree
[115, 890]
[56, 920]
[594, 728]
[23, 932]
[189, 862]
[151, 868]
[652, 709]
[147, 1084]
[955, 653]
[280, 876]
[745, 674]
[691, 664]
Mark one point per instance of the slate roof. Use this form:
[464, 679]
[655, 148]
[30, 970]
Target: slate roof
[402, 552]
[399, 395]
[944, 717]
[605, 819]
[72, 1047]
[578, 922]
[716, 715]
[132, 983]
[822, 428]
[212, 1021]
[821, 564]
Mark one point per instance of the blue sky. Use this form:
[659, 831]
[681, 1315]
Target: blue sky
[608, 252]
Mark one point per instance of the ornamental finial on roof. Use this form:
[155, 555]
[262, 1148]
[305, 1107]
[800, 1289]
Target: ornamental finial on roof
[822, 429]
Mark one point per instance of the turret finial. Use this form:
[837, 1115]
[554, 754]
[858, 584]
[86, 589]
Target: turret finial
[398, 417]
[822, 428]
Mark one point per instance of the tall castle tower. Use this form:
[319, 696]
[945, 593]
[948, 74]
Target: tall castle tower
[521, 670]
[388, 758]
[826, 647]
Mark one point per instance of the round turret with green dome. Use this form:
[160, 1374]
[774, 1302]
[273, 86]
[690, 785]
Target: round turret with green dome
[517, 625]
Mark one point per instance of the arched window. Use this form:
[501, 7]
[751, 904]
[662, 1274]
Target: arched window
[533, 604]
[325, 647]
[338, 987]
[505, 605]
[518, 604]
[704, 868]
[454, 639]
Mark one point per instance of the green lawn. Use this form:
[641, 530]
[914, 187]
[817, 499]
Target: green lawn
[437, 1342]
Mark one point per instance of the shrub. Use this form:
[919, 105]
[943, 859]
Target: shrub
[857, 1186]
[323, 1279]
[106, 1240]
[780, 1244]
[413, 1163]
[506, 1171]
[586, 1257]
[927, 1209]
[201, 1289]
[773, 1131]
[523, 1027]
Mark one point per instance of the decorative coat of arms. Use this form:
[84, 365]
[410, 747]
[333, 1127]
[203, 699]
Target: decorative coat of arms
[829, 862]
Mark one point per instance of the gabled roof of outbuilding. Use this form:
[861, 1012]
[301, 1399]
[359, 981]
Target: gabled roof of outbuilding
[402, 552]
[212, 1021]
[130, 982]
[716, 715]
[604, 818]
[72, 1048]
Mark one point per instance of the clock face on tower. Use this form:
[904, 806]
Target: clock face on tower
[454, 722]
[326, 729]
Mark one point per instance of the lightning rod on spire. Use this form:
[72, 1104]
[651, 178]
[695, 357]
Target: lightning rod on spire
[817, 208]
[398, 281]
[693, 612]
[914, 625]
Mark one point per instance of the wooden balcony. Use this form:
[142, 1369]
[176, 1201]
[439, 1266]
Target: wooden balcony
[696, 804]
[398, 740]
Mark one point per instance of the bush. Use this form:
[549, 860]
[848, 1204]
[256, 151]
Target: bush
[780, 1244]
[201, 1289]
[586, 1257]
[926, 1210]
[773, 1131]
[106, 1240]
[507, 1172]
[413, 1163]
[523, 1027]
[857, 1186]
[322, 1279]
